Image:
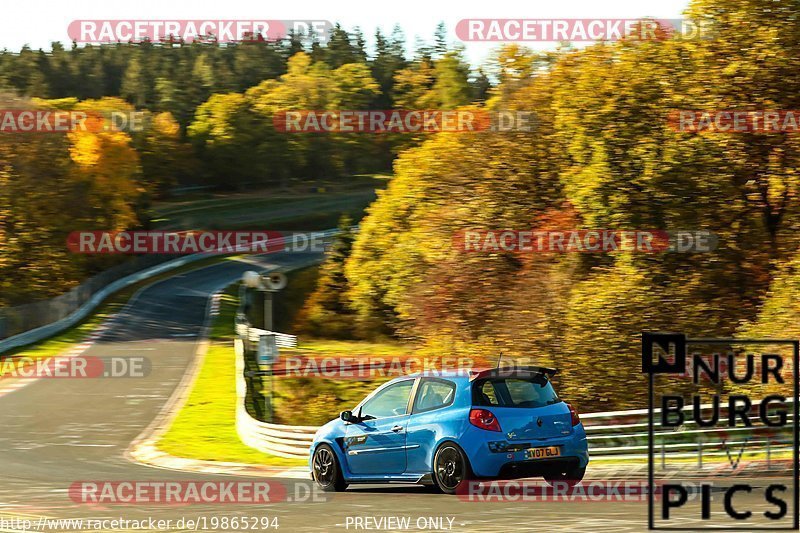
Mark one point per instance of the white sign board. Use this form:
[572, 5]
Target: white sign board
[267, 349]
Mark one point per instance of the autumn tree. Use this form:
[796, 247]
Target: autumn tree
[327, 312]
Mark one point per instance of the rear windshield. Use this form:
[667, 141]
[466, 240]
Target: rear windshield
[535, 391]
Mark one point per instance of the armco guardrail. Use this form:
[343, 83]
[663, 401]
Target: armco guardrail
[623, 435]
[18, 319]
[282, 340]
[43, 332]
[283, 441]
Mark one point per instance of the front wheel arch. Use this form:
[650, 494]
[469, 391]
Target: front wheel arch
[336, 445]
[336, 480]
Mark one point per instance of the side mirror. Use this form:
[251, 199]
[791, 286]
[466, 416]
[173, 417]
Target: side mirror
[347, 416]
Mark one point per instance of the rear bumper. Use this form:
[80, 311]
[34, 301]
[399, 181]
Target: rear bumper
[538, 467]
[514, 464]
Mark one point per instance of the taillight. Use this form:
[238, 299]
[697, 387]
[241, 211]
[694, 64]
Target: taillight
[484, 419]
[575, 418]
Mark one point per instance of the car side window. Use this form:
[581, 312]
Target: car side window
[434, 394]
[391, 401]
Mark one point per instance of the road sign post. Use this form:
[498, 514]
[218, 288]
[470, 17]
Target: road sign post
[267, 355]
[268, 310]
[267, 341]
[267, 349]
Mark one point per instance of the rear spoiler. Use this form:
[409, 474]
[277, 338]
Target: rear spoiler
[512, 371]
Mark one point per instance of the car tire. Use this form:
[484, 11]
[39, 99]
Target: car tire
[326, 471]
[571, 477]
[451, 469]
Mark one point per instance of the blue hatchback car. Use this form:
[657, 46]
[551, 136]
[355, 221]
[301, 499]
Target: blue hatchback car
[447, 429]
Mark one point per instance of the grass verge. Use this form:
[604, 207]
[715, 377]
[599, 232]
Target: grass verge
[205, 428]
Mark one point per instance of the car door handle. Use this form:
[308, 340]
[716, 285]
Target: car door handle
[397, 428]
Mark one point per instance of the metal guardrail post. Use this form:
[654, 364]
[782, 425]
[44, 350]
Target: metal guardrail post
[769, 453]
[700, 454]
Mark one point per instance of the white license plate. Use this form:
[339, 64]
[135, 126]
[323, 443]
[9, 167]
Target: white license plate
[543, 453]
